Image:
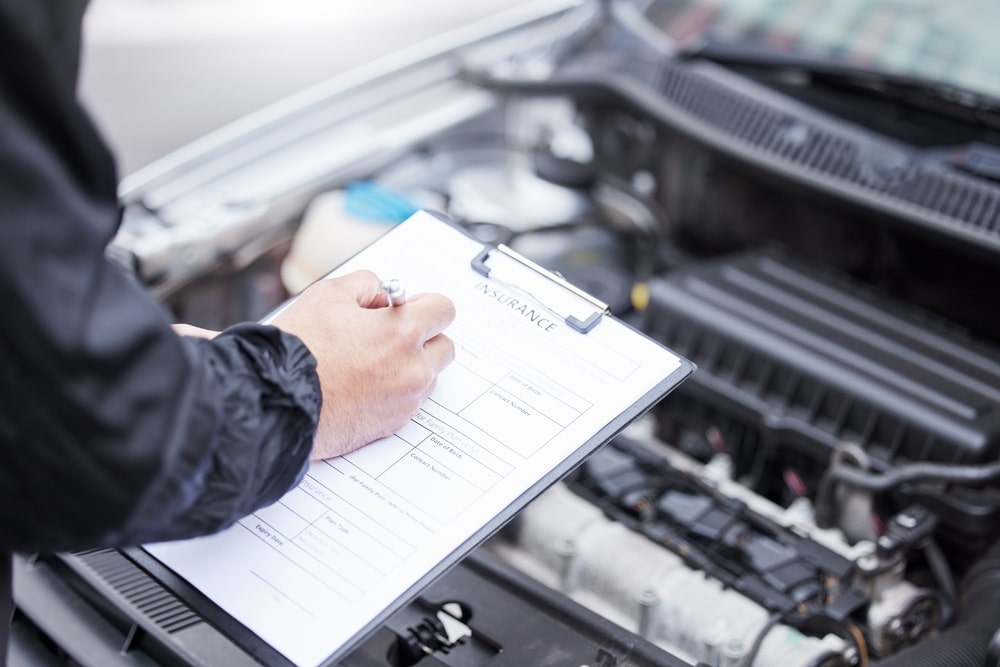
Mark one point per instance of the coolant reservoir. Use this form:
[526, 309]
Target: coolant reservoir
[336, 226]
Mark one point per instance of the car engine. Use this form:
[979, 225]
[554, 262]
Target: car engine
[823, 491]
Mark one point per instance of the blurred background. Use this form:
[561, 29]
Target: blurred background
[158, 74]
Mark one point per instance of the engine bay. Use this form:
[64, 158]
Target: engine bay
[824, 490]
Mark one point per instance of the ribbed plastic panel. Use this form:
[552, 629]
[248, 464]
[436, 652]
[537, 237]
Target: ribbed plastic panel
[807, 141]
[814, 361]
[139, 590]
[759, 124]
[950, 194]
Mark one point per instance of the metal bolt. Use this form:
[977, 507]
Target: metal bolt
[713, 644]
[648, 600]
[868, 563]
[733, 653]
[566, 551]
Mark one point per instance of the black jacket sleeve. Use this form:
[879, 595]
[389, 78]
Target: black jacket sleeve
[114, 430]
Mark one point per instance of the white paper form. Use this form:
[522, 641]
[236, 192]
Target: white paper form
[524, 393]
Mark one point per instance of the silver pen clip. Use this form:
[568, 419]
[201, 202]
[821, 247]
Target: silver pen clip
[394, 291]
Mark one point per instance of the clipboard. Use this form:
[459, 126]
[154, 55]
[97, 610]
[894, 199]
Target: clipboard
[597, 308]
[577, 317]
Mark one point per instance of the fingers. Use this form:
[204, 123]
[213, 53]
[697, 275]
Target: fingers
[429, 314]
[376, 363]
[440, 351]
[433, 312]
[362, 287]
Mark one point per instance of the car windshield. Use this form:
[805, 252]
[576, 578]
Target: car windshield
[952, 43]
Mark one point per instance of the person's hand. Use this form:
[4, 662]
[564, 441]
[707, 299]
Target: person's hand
[193, 331]
[376, 364]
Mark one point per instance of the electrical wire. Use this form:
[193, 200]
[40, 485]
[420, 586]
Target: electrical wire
[939, 567]
[758, 641]
[618, 200]
[859, 641]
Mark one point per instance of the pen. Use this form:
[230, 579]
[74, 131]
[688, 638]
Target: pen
[395, 291]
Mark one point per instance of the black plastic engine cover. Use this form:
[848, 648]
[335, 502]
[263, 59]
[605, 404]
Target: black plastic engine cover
[808, 360]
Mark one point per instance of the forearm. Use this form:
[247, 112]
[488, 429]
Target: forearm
[165, 439]
[262, 385]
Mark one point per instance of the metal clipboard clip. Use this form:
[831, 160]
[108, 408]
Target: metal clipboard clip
[578, 310]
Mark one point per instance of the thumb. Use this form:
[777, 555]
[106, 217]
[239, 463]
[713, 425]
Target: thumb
[364, 288]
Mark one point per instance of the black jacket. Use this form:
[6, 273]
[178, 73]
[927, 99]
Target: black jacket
[113, 430]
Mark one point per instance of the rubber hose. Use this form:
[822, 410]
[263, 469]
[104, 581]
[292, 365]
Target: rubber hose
[916, 472]
[966, 643]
